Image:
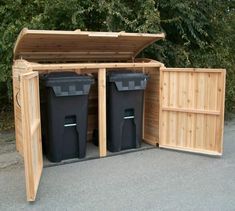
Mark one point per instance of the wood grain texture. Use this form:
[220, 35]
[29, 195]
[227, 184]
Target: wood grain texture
[151, 107]
[86, 66]
[31, 132]
[54, 46]
[19, 67]
[192, 109]
[102, 112]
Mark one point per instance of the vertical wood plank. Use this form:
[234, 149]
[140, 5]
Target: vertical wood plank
[200, 105]
[181, 103]
[190, 104]
[102, 112]
[221, 89]
[18, 68]
[170, 114]
[212, 98]
[206, 137]
[172, 103]
[185, 105]
[17, 112]
[167, 103]
[161, 114]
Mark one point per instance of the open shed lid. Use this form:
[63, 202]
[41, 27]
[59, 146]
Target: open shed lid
[62, 46]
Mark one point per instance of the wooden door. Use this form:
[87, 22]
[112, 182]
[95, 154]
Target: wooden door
[31, 132]
[192, 109]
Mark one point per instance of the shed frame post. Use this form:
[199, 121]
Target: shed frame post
[102, 111]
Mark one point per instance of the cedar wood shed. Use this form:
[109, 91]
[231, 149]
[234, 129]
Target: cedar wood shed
[183, 107]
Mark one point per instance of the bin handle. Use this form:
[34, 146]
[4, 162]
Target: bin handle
[129, 117]
[70, 125]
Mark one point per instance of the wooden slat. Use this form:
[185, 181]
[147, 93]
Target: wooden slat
[102, 112]
[194, 70]
[193, 150]
[221, 95]
[18, 68]
[196, 111]
[71, 66]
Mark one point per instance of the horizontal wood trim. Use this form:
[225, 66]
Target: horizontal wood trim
[90, 33]
[195, 111]
[76, 53]
[193, 150]
[194, 70]
[68, 67]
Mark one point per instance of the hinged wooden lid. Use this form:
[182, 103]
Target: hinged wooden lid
[51, 46]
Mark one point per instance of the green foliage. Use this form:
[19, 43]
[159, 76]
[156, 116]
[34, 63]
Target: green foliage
[198, 33]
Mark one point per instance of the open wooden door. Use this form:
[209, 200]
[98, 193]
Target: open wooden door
[192, 109]
[31, 132]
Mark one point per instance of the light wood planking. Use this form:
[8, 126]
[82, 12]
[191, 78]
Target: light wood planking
[188, 110]
[192, 150]
[221, 105]
[45, 45]
[151, 107]
[191, 106]
[31, 132]
[102, 112]
[19, 67]
[71, 66]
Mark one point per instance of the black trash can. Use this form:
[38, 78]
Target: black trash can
[66, 112]
[125, 92]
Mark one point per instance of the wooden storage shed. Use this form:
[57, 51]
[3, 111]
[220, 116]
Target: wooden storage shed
[183, 107]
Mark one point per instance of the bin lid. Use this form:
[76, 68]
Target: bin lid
[62, 46]
[64, 77]
[128, 81]
[125, 75]
[68, 83]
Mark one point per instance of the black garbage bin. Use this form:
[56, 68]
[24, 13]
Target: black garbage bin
[66, 113]
[125, 92]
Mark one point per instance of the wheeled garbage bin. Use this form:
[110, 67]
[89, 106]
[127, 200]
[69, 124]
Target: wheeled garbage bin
[66, 115]
[125, 92]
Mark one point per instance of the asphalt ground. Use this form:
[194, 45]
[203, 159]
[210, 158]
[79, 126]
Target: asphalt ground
[153, 179]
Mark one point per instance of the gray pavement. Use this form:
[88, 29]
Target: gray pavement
[153, 179]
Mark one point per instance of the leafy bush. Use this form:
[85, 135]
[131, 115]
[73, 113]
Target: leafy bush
[198, 33]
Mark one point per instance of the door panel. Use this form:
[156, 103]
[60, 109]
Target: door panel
[192, 109]
[31, 132]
